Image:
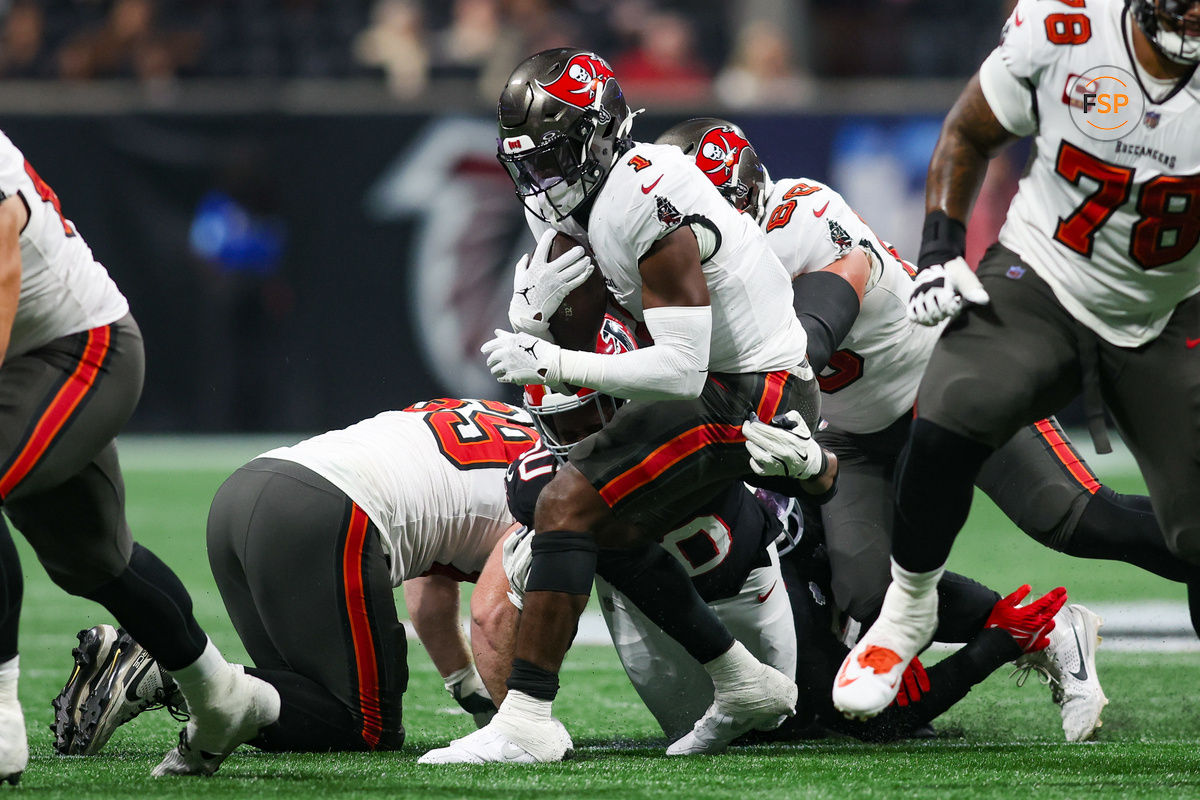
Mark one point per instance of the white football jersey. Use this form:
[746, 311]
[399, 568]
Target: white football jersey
[650, 192]
[64, 290]
[430, 477]
[1112, 226]
[872, 379]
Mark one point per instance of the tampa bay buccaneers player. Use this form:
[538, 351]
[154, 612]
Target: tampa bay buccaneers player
[726, 345]
[851, 295]
[307, 544]
[1092, 285]
[71, 374]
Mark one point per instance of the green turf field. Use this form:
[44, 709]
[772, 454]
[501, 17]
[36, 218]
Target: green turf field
[1001, 741]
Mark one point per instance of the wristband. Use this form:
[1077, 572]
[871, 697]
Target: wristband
[942, 239]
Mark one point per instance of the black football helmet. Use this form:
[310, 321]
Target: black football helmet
[1171, 27]
[563, 122]
[723, 153]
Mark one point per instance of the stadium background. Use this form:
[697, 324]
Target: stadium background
[301, 201]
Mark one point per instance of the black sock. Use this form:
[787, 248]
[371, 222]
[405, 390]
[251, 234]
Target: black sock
[963, 608]
[12, 588]
[1122, 527]
[660, 587]
[530, 679]
[311, 720]
[151, 604]
[935, 481]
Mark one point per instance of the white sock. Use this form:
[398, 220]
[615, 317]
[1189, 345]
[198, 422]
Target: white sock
[731, 667]
[207, 674]
[10, 671]
[916, 587]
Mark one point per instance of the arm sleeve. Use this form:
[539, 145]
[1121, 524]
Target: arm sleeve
[675, 366]
[827, 306]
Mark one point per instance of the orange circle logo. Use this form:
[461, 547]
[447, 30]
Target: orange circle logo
[1106, 103]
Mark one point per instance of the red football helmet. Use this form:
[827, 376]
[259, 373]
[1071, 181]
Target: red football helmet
[564, 420]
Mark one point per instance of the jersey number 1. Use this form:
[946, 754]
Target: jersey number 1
[1170, 214]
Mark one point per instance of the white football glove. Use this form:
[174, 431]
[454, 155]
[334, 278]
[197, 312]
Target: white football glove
[539, 286]
[471, 695]
[789, 452]
[521, 358]
[941, 291]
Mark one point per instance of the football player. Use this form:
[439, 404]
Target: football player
[729, 550]
[851, 292]
[1093, 285]
[717, 304]
[71, 368]
[306, 544]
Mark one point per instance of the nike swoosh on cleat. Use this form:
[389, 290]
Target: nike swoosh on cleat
[762, 598]
[822, 211]
[647, 189]
[131, 691]
[841, 678]
[511, 752]
[1191, 343]
[1082, 674]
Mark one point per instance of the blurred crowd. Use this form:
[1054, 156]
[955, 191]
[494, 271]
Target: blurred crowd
[745, 53]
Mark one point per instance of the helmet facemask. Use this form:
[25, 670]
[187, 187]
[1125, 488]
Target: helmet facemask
[1172, 25]
[564, 420]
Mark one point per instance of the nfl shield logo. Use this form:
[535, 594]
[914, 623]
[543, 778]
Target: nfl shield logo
[1015, 272]
[1152, 118]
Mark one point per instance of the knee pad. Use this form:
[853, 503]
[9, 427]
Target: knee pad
[562, 561]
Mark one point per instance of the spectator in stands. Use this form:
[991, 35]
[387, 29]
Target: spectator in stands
[663, 66]
[22, 41]
[129, 43]
[395, 43]
[762, 71]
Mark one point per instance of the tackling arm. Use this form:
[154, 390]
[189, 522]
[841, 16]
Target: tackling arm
[13, 216]
[828, 302]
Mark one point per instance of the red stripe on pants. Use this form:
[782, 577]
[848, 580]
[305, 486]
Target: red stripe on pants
[1067, 455]
[360, 627]
[68, 398]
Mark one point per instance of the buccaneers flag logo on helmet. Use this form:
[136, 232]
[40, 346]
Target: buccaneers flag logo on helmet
[582, 81]
[718, 154]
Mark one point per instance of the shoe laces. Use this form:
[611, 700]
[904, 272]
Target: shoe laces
[166, 699]
[1044, 675]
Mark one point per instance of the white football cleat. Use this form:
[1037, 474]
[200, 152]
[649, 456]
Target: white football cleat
[14, 747]
[246, 706]
[870, 676]
[763, 702]
[1069, 664]
[537, 742]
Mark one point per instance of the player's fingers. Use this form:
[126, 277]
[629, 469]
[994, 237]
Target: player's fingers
[1019, 594]
[757, 468]
[543, 245]
[567, 259]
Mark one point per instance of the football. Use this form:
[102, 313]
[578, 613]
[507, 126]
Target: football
[577, 321]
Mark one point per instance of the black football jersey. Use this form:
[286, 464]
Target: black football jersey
[719, 545]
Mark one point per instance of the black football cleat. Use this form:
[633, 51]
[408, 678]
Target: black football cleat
[127, 684]
[93, 653]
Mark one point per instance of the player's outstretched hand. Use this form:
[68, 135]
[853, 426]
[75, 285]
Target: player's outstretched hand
[941, 291]
[784, 447]
[540, 284]
[1029, 625]
[521, 358]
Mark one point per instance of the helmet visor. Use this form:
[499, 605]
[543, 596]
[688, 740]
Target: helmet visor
[542, 168]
